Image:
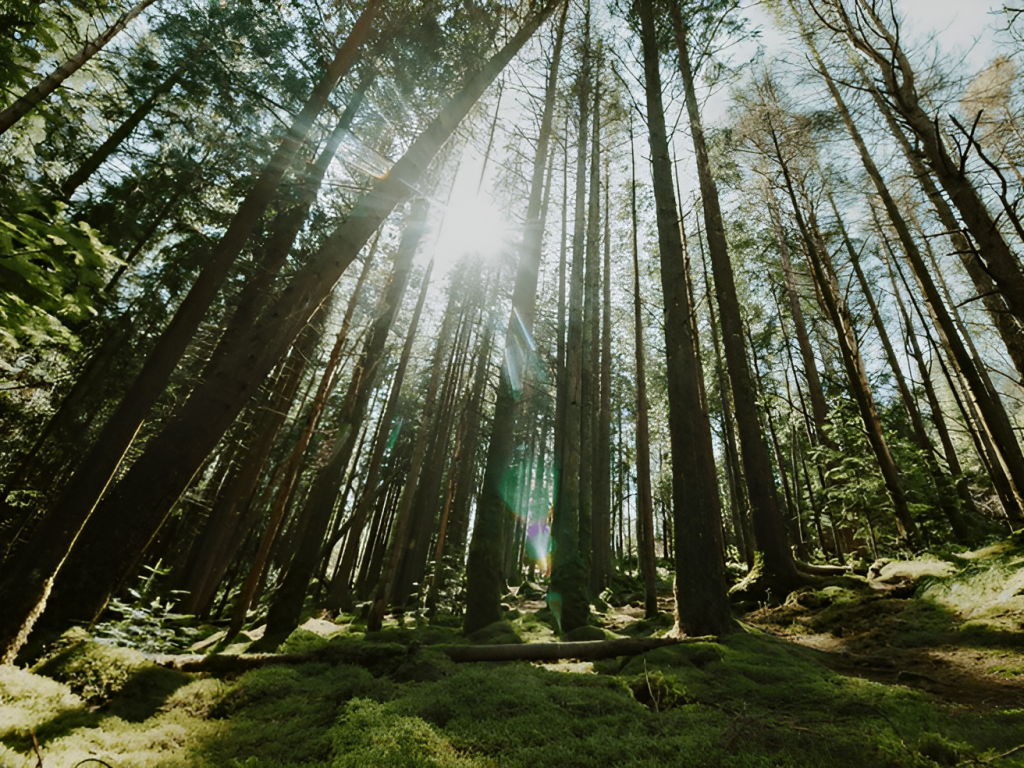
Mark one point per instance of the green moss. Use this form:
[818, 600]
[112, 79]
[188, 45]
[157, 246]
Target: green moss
[498, 633]
[370, 734]
[92, 670]
[302, 641]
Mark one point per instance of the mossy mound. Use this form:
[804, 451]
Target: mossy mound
[498, 633]
[369, 733]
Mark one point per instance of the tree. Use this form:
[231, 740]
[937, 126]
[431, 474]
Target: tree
[701, 603]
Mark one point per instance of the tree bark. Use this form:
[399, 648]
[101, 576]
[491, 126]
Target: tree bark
[701, 603]
[645, 502]
[768, 524]
[567, 594]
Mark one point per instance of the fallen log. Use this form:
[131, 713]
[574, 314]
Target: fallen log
[369, 654]
[588, 650]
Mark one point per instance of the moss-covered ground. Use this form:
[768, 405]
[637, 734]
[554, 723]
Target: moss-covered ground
[921, 665]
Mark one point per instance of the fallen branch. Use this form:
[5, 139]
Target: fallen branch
[368, 654]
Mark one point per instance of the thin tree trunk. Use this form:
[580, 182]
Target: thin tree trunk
[602, 551]
[340, 595]
[645, 503]
[567, 594]
[284, 612]
[814, 389]
[920, 434]
[837, 311]
[52, 81]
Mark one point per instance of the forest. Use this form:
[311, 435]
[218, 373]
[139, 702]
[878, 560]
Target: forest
[511, 383]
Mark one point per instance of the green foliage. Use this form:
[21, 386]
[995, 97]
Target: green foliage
[149, 623]
[51, 273]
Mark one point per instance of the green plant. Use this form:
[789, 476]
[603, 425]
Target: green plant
[149, 623]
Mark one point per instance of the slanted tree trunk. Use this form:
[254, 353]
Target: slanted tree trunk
[340, 594]
[768, 524]
[837, 311]
[701, 602]
[125, 129]
[938, 417]
[996, 419]
[1010, 329]
[52, 81]
[901, 88]
[284, 612]
[485, 582]
[920, 434]
[391, 587]
[815, 392]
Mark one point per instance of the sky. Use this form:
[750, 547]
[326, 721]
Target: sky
[474, 222]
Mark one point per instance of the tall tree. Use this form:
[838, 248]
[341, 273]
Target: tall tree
[769, 528]
[483, 572]
[701, 603]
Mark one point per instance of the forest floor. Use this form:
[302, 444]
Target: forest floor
[920, 664]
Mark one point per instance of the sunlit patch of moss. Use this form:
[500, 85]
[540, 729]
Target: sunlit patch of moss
[369, 733]
[532, 630]
[67, 731]
[987, 593]
[199, 698]
[98, 672]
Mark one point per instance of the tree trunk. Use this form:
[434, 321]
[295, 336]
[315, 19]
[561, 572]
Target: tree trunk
[52, 81]
[701, 603]
[602, 549]
[567, 594]
[123, 131]
[769, 527]
[483, 570]
[645, 503]
[814, 389]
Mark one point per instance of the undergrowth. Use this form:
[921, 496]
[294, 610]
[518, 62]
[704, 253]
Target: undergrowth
[751, 700]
